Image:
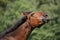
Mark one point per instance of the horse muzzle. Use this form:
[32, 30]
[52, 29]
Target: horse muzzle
[46, 19]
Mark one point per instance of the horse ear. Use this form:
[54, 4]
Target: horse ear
[25, 13]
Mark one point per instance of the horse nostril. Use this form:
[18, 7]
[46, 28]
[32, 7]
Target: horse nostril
[45, 15]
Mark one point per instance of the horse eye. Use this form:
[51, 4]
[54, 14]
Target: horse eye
[32, 14]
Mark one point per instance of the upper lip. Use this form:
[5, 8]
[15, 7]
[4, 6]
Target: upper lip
[45, 20]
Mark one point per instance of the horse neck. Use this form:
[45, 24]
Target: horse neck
[22, 32]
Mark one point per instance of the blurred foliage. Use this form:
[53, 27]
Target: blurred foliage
[11, 10]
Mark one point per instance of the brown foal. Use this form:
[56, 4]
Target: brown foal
[34, 19]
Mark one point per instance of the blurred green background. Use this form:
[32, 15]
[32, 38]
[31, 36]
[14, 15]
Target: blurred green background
[11, 10]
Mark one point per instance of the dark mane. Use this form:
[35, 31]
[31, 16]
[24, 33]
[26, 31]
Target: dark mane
[14, 27]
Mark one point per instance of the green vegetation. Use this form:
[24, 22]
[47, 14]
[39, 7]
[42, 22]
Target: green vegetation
[10, 11]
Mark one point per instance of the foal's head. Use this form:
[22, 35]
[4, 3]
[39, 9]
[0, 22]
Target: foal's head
[36, 18]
